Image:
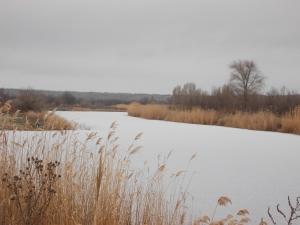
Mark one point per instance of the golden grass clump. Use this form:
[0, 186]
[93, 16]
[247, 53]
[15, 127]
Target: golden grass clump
[290, 122]
[134, 109]
[162, 112]
[4, 113]
[6, 107]
[33, 120]
[36, 115]
[55, 122]
[261, 120]
[122, 106]
[96, 185]
[150, 111]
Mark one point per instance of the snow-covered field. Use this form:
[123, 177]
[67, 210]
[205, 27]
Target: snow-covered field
[254, 169]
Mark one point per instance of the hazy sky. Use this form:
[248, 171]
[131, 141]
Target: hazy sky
[145, 46]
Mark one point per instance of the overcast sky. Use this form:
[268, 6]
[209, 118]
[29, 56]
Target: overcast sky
[145, 46]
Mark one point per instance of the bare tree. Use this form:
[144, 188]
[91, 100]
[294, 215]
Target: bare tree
[245, 79]
[176, 97]
[68, 98]
[30, 99]
[186, 97]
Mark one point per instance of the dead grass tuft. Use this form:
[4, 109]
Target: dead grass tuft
[242, 212]
[245, 220]
[223, 201]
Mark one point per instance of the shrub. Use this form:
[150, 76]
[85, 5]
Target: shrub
[31, 190]
[30, 99]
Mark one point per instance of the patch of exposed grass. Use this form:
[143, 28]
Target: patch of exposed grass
[33, 120]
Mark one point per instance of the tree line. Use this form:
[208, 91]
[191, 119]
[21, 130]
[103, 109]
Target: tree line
[30, 99]
[242, 92]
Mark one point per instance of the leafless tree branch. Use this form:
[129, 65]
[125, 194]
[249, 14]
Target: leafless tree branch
[245, 79]
[293, 215]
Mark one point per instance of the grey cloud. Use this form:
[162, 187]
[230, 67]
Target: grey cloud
[146, 46]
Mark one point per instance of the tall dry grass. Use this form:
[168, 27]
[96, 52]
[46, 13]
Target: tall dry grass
[156, 112]
[290, 122]
[96, 185]
[32, 120]
[122, 106]
[100, 109]
[162, 112]
[61, 177]
[262, 120]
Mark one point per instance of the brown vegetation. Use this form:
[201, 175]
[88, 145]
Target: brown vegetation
[261, 120]
[225, 99]
[122, 106]
[100, 109]
[55, 177]
[30, 99]
[96, 183]
[31, 120]
[58, 178]
[242, 92]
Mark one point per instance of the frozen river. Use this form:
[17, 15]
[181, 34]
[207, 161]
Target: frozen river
[254, 169]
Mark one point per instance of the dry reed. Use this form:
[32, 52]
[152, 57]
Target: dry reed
[290, 122]
[261, 120]
[32, 120]
[100, 109]
[122, 106]
[97, 184]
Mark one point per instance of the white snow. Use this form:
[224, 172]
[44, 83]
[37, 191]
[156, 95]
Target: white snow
[254, 169]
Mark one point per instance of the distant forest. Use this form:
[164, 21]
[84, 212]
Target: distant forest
[243, 92]
[186, 97]
[36, 100]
